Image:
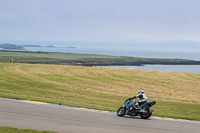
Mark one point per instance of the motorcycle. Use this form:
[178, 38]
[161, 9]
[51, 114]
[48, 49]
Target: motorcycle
[143, 111]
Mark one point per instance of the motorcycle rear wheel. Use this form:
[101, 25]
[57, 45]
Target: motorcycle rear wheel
[147, 114]
[121, 111]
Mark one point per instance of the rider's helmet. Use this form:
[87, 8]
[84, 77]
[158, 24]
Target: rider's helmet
[140, 92]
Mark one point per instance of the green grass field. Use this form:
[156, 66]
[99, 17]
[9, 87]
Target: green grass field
[177, 94]
[17, 130]
[83, 59]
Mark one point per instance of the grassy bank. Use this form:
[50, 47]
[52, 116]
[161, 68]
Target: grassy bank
[177, 94]
[17, 130]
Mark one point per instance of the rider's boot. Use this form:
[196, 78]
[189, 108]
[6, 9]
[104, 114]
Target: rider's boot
[137, 107]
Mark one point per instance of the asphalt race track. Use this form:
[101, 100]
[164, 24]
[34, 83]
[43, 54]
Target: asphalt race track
[49, 117]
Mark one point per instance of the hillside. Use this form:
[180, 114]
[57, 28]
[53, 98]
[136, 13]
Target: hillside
[177, 94]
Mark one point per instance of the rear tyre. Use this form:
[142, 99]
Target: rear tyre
[121, 111]
[147, 113]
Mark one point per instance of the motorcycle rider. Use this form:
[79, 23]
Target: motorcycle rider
[142, 99]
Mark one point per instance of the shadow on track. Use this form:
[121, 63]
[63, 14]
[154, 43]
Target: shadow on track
[134, 117]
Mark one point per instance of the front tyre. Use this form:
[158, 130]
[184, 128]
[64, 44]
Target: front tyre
[121, 111]
[146, 114]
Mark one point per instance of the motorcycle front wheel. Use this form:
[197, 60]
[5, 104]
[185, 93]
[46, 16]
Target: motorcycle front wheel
[121, 111]
[147, 113]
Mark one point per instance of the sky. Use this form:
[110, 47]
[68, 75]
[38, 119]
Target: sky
[100, 20]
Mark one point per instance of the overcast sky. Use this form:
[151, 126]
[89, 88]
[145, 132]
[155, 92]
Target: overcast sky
[99, 20]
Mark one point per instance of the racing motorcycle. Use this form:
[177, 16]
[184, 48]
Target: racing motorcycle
[130, 109]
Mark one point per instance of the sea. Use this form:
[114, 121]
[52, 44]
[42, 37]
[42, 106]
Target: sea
[134, 52]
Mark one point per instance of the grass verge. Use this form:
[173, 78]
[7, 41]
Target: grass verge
[17, 130]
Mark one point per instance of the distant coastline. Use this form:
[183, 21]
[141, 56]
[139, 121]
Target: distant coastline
[8, 46]
[11, 46]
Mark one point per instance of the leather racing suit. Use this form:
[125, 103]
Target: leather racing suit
[142, 99]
